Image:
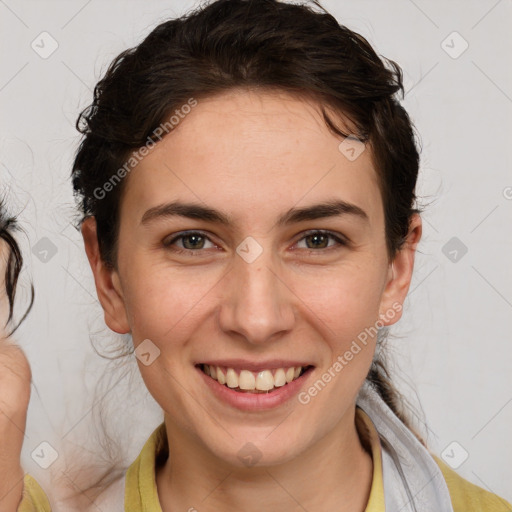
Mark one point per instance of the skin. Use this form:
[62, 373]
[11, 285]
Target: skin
[234, 152]
[15, 379]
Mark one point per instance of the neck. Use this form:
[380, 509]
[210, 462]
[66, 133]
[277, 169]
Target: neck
[333, 474]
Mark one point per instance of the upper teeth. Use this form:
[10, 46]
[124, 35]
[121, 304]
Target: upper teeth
[264, 380]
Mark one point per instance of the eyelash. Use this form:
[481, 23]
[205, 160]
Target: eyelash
[341, 242]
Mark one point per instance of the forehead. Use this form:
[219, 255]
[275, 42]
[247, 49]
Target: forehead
[240, 149]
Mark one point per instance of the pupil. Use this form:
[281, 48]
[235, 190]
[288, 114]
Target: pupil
[317, 237]
[190, 237]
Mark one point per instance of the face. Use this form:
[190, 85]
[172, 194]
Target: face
[249, 272]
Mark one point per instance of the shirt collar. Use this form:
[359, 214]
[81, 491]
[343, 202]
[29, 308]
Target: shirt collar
[141, 493]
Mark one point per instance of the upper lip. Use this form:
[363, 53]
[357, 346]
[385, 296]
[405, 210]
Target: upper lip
[255, 366]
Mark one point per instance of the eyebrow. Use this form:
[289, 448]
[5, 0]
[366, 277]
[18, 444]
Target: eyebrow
[196, 211]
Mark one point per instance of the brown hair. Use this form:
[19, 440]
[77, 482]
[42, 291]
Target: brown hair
[14, 265]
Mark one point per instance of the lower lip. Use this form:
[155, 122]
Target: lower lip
[256, 401]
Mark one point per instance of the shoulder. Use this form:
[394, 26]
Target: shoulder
[140, 483]
[34, 499]
[467, 497]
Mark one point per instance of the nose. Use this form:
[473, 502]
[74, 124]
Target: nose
[257, 304]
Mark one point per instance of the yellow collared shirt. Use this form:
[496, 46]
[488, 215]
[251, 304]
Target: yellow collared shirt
[34, 499]
[141, 492]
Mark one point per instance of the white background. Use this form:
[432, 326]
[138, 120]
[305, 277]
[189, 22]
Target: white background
[453, 348]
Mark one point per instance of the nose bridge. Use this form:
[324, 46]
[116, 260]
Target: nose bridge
[256, 304]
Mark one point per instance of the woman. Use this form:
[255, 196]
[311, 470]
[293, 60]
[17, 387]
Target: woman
[247, 182]
[15, 378]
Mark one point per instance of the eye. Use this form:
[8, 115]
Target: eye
[193, 241]
[318, 239]
[190, 242]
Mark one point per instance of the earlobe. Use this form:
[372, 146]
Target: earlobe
[107, 287]
[400, 274]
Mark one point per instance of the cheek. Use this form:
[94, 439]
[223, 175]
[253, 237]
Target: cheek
[345, 307]
[162, 299]
[345, 299]
[167, 308]
[164, 304]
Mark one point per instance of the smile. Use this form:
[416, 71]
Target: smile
[246, 381]
[257, 389]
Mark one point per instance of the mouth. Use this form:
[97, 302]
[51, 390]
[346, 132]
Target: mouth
[263, 381]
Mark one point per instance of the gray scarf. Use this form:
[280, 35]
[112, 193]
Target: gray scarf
[413, 482]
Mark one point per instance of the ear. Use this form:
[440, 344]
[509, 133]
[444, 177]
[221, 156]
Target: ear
[400, 275]
[106, 278]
